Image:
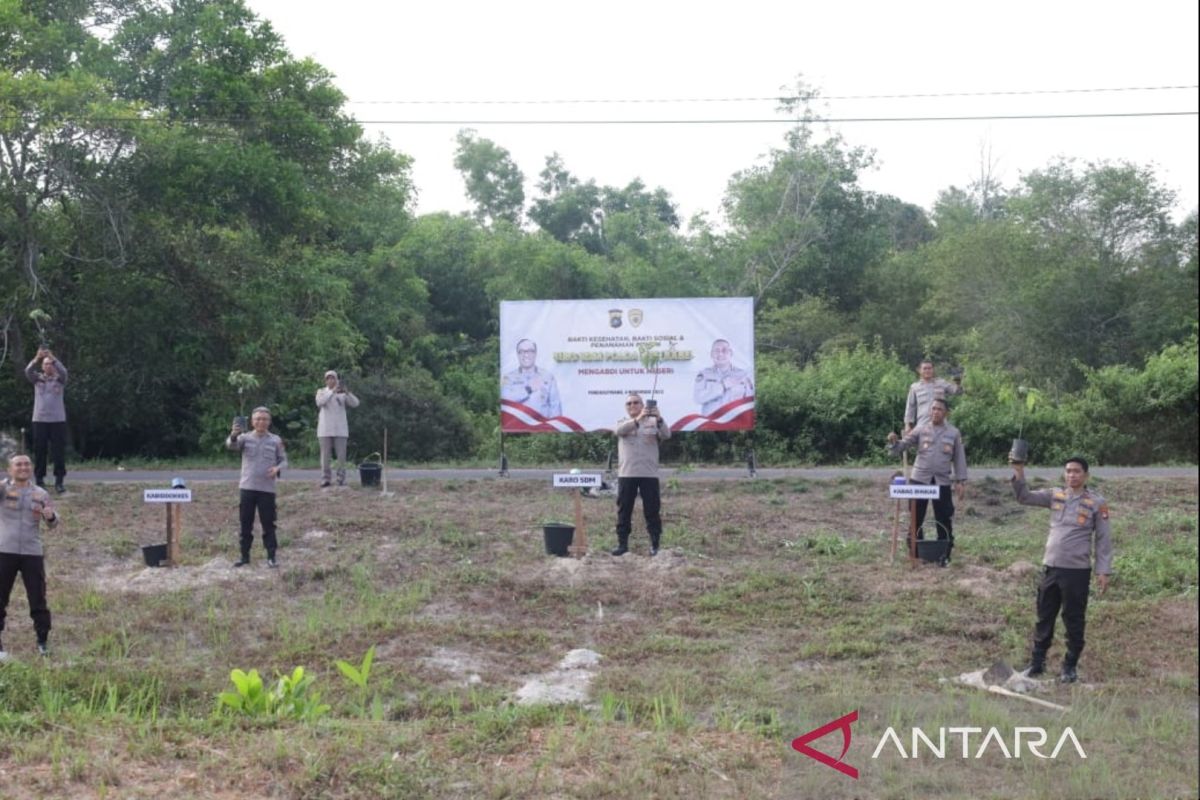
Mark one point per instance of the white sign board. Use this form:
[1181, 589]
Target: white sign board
[577, 479]
[567, 365]
[913, 491]
[167, 496]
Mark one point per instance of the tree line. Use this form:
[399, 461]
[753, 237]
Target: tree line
[182, 199]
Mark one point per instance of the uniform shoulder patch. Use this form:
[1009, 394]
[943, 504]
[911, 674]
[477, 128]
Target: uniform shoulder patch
[1060, 494]
[1104, 510]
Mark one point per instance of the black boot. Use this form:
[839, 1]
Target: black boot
[654, 545]
[622, 546]
[1069, 673]
[1037, 664]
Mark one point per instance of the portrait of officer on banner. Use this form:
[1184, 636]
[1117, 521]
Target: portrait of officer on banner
[529, 385]
[722, 383]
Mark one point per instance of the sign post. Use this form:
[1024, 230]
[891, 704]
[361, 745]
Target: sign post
[911, 492]
[174, 500]
[578, 481]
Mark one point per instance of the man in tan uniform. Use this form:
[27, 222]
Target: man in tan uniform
[638, 435]
[922, 393]
[941, 460]
[1078, 529]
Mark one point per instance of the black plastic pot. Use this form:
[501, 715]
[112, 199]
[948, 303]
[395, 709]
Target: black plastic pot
[1019, 454]
[154, 554]
[933, 551]
[558, 537]
[369, 473]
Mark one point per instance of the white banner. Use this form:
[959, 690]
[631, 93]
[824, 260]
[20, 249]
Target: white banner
[913, 491]
[568, 365]
[167, 496]
[577, 480]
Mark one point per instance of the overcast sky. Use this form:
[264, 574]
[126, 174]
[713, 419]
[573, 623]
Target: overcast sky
[460, 50]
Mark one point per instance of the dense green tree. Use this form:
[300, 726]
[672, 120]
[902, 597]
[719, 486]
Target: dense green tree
[494, 182]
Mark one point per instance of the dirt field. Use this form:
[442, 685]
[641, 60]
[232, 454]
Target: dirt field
[773, 609]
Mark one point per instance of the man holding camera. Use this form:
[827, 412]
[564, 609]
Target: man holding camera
[922, 394]
[49, 416]
[333, 431]
[638, 435]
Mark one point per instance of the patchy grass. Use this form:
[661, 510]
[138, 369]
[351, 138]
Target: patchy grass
[773, 609]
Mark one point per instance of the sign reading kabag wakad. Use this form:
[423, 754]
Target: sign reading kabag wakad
[568, 365]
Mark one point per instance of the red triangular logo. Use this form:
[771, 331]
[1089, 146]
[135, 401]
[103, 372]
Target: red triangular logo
[800, 744]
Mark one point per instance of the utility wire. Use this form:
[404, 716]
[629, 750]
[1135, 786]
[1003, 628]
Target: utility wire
[773, 99]
[277, 123]
[802, 120]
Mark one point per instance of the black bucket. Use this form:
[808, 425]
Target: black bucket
[369, 473]
[934, 550]
[1019, 454]
[154, 554]
[558, 537]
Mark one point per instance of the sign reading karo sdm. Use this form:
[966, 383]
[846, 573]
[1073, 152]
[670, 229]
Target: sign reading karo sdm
[568, 365]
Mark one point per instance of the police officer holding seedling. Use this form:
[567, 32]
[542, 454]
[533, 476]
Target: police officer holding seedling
[263, 460]
[26, 506]
[941, 460]
[638, 435]
[1079, 534]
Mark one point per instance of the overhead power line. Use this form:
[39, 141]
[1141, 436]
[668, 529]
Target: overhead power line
[777, 121]
[279, 123]
[772, 99]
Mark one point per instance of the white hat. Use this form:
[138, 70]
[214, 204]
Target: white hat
[330, 373]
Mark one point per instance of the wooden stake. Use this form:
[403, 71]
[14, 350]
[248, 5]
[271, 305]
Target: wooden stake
[1027, 698]
[579, 544]
[895, 530]
[383, 464]
[174, 532]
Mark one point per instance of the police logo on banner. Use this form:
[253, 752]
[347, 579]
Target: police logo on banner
[635, 317]
[614, 318]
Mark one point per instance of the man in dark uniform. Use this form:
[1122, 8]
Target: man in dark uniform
[1078, 517]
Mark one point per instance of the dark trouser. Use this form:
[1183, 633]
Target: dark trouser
[943, 515]
[33, 573]
[627, 492]
[1067, 589]
[54, 434]
[264, 503]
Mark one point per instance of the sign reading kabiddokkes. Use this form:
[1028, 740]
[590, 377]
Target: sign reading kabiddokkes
[566, 366]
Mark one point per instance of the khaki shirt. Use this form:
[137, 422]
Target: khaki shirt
[259, 454]
[517, 386]
[1074, 523]
[637, 446]
[939, 450]
[710, 392]
[331, 419]
[921, 396]
[21, 518]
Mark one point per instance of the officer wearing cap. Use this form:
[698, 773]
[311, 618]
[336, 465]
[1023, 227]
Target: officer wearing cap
[721, 383]
[333, 430]
[941, 460]
[922, 394]
[1079, 536]
[529, 385]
